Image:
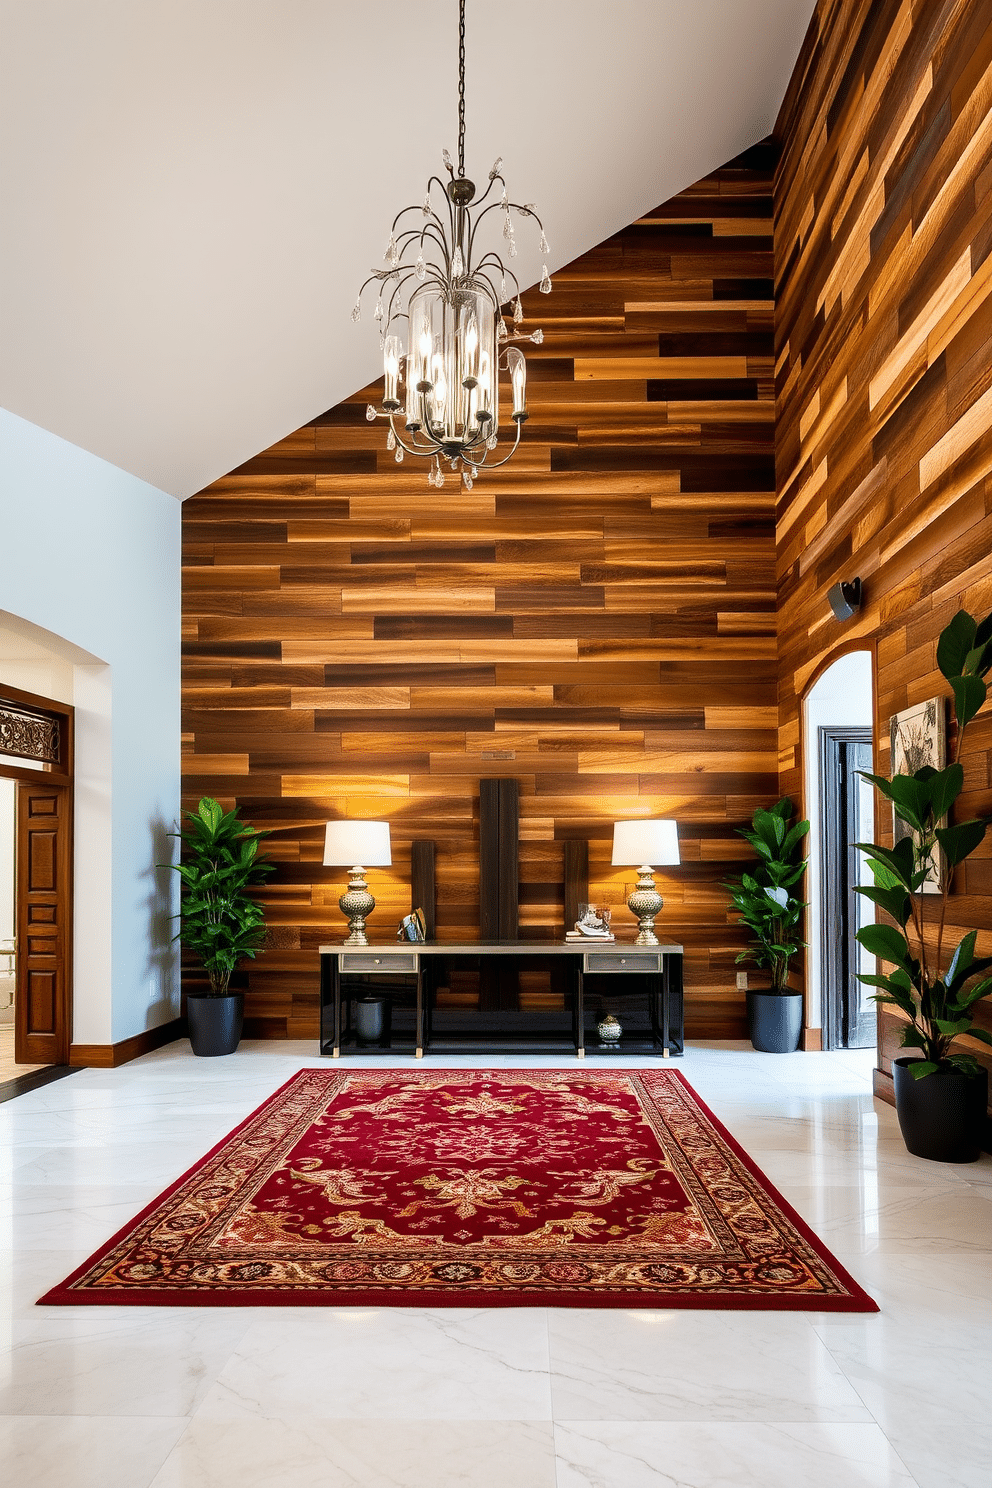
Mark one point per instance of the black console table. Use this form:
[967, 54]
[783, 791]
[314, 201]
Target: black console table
[499, 997]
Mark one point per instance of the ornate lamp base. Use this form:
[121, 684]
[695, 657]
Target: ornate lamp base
[356, 905]
[645, 902]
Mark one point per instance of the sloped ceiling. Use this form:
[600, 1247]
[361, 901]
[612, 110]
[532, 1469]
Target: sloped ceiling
[192, 190]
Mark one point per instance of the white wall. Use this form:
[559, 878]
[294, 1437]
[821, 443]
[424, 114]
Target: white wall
[842, 697]
[92, 559]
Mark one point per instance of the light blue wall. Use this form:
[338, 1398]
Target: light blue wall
[92, 555]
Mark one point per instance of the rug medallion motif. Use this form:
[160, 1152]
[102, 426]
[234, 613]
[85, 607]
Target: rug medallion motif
[515, 1187]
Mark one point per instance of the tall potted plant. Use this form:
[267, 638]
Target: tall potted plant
[219, 919]
[941, 1091]
[768, 905]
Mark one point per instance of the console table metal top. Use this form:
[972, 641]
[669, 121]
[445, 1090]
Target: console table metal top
[501, 948]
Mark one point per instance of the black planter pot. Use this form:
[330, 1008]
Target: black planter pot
[370, 1019]
[215, 1022]
[773, 1022]
[941, 1116]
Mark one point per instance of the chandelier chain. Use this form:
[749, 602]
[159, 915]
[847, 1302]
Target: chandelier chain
[461, 87]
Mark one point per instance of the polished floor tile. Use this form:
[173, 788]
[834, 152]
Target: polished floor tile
[474, 1398]
[315, 1453]
[765, 1455]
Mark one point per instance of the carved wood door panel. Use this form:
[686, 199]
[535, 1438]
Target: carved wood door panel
[44, 861]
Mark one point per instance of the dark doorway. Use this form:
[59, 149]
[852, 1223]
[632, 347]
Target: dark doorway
[847, 817]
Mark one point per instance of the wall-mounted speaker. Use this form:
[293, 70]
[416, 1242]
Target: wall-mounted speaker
[845, 599]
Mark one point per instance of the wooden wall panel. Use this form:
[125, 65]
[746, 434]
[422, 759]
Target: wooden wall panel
[596, 621]
[883, 239]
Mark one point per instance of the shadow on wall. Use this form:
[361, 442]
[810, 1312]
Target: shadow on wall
[162, 966]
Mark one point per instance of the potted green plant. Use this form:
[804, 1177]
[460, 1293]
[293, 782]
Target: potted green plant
[941, 1091]
[767, 904]
[219, 918]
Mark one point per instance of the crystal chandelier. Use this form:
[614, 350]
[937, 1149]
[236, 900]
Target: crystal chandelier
[441, 393]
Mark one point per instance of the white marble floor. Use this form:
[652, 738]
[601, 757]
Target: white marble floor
[503, 1397]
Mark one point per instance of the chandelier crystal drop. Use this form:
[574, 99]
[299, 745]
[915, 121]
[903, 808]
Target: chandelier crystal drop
[439, 310]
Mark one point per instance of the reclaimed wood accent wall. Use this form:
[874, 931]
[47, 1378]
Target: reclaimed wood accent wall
[883, 238]
[596, 621]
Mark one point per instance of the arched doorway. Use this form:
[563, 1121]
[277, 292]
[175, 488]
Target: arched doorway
[838, 734]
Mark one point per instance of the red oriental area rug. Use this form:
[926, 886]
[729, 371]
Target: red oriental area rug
[607, 1188]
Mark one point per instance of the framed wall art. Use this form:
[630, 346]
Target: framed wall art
[918, 737]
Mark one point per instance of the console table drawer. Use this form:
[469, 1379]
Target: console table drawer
[613, 962]
[366, 961]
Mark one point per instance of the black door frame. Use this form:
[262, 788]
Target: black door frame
[836, 895]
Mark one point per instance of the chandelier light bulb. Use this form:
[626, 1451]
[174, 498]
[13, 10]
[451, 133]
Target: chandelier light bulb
[544, 246]
[356, 313]
[447, 161]
[497, 167]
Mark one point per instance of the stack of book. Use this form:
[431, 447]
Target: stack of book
[597, 935]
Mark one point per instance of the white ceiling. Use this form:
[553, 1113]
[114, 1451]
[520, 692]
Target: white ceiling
[192, 190]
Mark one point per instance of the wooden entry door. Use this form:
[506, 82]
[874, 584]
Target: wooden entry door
[44, 866]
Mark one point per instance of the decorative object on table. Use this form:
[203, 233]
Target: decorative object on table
[219, 917]
[413, 926]
[609, 1029]
[917, 741]
[636, 1196]
[447, 292]
[941, 1096]
[352, 844]
[593, 923]
[647, 844]
[765, 899]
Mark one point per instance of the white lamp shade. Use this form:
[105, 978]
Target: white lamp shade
[364, 844]
[652, 842]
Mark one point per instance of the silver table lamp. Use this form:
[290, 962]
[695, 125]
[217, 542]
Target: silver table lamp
[645, 845]
[349, 844]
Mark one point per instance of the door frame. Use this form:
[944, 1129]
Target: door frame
[56, 773]
[833, 969]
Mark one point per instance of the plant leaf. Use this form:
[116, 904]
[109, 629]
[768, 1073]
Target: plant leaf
[959, 841]
[970, 693]
[885, 941]
[895, 901]
[944, 787]
[956, 640]
[920, 1068]
[962, 959]
[952, 1029]
[899, 860]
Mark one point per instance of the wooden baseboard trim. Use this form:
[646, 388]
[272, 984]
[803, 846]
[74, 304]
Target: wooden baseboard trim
[883, 1087]
[109, 1056]
[812, 1040]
